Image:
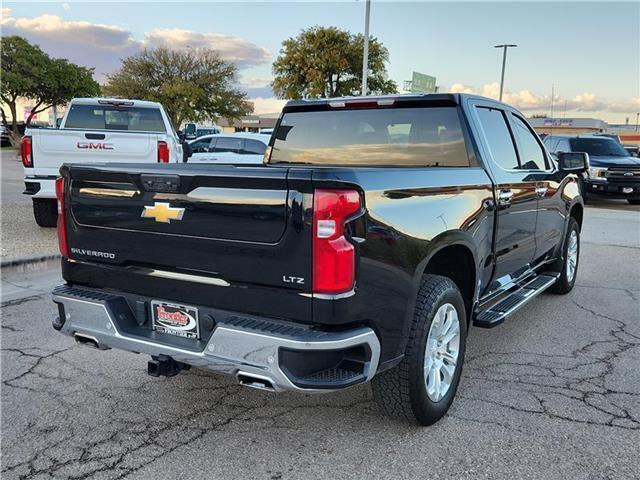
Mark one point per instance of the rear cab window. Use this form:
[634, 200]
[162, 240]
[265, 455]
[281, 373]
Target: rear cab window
[107, 117]
[408, 136]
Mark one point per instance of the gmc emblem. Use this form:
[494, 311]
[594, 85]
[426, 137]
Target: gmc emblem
[95, 146]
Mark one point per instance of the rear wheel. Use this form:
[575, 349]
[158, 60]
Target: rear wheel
[45, 212]
[568, 264]
[422, 387]
[634, 201]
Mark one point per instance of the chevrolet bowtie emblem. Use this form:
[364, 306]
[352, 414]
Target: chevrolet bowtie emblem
[163, 212]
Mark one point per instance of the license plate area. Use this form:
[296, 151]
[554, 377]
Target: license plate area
[175, 319]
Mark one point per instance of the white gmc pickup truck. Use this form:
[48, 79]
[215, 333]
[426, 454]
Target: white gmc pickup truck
[94, 130]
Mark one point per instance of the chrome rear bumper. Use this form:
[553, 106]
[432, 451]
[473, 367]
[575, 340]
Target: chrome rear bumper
[234, 348]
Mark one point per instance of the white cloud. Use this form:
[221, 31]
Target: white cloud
[233, 49]
[102, 46]
[526, 100]
[267, 105]
[255, 82]
[66, 6]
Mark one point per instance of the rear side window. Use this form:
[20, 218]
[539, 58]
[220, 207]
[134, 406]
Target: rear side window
[226, 144]
[399, 136]
[254, 147]
[531, 154]
[104, 117]
[498, 137]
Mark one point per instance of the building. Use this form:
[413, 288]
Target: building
[629, 134]
[23, 109]
[575, 126]
[250, 123]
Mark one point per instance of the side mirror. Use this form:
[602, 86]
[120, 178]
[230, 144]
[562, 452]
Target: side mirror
[573, 162]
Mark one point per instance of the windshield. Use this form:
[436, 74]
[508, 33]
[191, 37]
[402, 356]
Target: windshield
[598, 147]
[430, 136]
[103, 117]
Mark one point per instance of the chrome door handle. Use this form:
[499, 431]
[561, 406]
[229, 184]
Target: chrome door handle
[504, 199]
[541, 191]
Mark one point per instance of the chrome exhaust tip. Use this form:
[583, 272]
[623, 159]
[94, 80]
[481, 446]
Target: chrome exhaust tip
[88, 341]
[255, 381]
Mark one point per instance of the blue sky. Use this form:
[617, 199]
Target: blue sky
[589, 51]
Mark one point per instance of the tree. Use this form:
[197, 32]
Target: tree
[327, 62]
[28, 72]
[63, 81]
[193, 84]
[22, 67]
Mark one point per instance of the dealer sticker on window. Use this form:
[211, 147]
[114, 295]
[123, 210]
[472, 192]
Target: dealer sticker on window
[174, 319]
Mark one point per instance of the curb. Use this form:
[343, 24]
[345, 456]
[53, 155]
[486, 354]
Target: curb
[28, 260]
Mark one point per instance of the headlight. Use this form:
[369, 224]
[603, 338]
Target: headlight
[597, 172]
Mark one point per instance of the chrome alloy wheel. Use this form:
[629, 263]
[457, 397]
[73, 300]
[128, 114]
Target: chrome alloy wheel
[572, 255]
[441, 352]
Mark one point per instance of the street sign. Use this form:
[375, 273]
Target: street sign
[421, 83]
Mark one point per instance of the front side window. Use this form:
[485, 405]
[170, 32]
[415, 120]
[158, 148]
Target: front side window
[105, 117]
[499, 140]
[201, 145]
[419, 136]
[531, 153]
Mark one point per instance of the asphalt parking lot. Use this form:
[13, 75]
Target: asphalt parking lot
[552, 393]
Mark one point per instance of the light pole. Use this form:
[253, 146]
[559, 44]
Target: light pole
[637, 118]
[504, 47]
[365, 53]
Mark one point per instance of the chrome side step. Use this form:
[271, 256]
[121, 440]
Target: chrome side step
[496, 314]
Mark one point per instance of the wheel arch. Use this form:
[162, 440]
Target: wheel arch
[453, 255]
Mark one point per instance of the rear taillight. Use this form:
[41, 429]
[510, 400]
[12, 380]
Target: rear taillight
[334, 257]
[26, 152]
[62, 229]
[163, 152]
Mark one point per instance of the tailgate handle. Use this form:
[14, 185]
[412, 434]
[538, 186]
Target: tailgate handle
[160, 183]
[94, 136]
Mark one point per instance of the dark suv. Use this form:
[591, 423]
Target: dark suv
[613, 171]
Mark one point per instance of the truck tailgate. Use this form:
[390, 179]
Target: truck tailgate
[239, 229]
[52, 148]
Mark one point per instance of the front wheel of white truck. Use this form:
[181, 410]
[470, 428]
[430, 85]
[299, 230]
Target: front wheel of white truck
[422, 387]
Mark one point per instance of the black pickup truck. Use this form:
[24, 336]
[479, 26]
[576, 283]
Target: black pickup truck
[376, 232]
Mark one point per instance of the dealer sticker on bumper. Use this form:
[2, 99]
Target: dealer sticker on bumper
[627, 189]
[174, 319]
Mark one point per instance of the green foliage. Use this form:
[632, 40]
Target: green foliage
[327, 62]
[193, 85]
[28, 72]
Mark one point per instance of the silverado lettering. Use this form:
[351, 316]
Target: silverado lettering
[93, 253]
[407, 219]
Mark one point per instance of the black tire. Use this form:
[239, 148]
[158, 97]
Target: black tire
[45, 212]
[634, 201]
[565, 284]
[401, 392]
